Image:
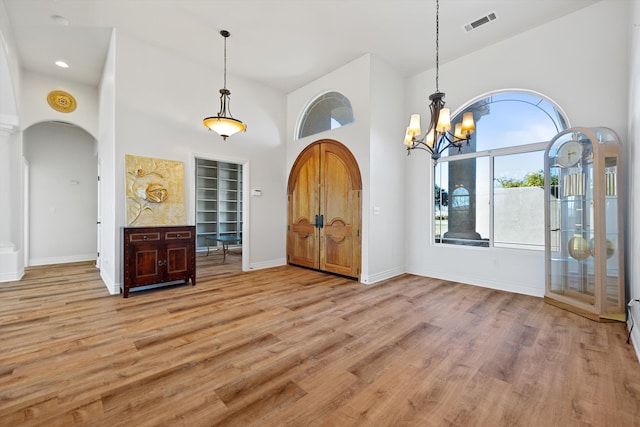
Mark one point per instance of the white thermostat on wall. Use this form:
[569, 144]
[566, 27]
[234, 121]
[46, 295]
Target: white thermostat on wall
[255, 192]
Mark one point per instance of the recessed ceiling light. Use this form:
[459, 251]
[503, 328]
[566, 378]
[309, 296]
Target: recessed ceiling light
[62, 64]
[61, 20]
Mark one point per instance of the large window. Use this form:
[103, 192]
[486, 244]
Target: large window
[491, 192]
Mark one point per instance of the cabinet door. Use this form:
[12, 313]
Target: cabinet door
[177, 261]
[145, 264]
[178, 254]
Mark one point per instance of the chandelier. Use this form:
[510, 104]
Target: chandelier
[223, 124]
[439, 136]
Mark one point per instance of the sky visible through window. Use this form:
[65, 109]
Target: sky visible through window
[512, 131]
[506, 120]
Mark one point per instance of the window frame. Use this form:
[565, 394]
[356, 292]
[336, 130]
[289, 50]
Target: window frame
[491, 154]
[302, 120]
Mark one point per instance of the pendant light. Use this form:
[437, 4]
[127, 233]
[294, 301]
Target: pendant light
[224, 124]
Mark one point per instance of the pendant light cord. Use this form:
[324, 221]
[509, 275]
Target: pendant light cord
[437, 43]
[225, 60]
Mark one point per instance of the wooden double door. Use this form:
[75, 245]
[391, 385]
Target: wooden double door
[324, 220]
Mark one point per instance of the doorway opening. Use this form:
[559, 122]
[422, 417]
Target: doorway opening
[60, 223]
[219, 213]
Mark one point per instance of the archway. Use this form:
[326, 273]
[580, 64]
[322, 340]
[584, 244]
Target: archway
[62, 194]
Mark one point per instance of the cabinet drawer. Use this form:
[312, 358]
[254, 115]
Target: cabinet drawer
[144, 237]
[175, 235]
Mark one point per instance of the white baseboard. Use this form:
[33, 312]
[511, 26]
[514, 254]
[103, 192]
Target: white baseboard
[267, 264]
[11, 266]
[634, 315]
[524, 289]
[62, 260]
[383, 275]
[11, 277]
[112, 286]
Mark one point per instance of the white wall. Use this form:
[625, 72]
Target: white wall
[109, 258]
[633, 267]
[633, 241]
[371, 86]
[386, 212]
[62, 193]
[11, 201]
[569, 60]
[36, 109]
[10, 77]
[160, 101]
[353, 81]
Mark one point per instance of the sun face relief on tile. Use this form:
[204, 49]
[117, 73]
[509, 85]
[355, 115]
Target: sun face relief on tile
[61, 101]
[154, 191]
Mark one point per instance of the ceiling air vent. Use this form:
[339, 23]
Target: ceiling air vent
[478, 22]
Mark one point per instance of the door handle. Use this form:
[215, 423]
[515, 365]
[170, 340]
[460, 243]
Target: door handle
[316, 223]
[321, 221]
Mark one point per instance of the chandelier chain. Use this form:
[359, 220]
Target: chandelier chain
[437, 43]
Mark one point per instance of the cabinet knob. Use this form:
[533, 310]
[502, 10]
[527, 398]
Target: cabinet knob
[144, 237]
[179, 236]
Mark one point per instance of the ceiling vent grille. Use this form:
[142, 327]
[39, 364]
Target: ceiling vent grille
[478, 22]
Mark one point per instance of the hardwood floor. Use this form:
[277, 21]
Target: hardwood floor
[292, 347]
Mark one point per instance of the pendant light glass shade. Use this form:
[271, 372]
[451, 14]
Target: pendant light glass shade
[224, 126]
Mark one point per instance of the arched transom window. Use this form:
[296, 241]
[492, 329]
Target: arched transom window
[328, 111]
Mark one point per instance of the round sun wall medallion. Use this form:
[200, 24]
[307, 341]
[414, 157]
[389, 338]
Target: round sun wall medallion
[61, 101]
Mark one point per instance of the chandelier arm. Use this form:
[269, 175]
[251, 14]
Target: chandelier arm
[443, 141]
[451, 141]
[417, 146]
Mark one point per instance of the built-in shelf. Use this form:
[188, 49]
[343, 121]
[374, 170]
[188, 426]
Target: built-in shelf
[218, 201]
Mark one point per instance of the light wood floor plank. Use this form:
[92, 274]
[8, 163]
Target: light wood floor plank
[292, 347]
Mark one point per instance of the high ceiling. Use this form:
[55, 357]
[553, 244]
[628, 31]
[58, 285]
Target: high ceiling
[281, 43]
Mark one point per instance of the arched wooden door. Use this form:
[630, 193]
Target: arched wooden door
[323, 230]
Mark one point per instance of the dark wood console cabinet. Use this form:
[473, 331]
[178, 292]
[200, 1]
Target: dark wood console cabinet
[155, 255]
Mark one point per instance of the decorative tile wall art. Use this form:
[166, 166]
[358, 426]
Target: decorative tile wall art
[155, 191]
